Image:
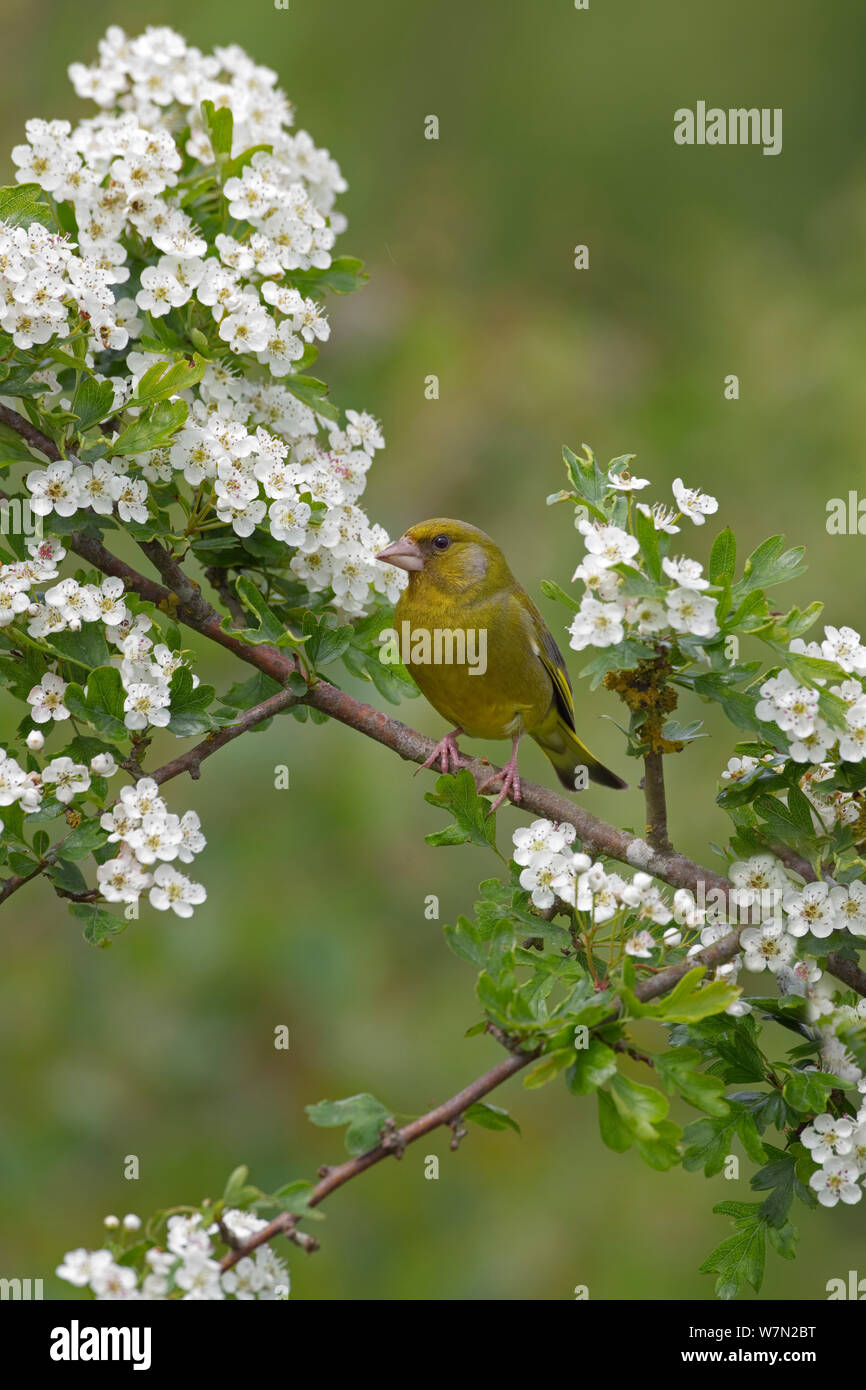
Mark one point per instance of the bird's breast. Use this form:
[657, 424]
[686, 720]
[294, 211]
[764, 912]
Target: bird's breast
[477, 672]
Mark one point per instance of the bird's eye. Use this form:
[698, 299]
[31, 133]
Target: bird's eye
[441, 542]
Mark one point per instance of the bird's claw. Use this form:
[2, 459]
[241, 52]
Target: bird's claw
[446, 753]
[510, 786]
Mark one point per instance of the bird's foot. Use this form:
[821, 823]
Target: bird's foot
[510, 783]
[446, 753]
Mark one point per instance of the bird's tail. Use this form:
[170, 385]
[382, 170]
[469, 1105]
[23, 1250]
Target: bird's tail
[568, 755]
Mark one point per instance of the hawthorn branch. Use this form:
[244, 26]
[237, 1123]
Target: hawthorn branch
[185, 601]
[394, 1142]
[392, 1146]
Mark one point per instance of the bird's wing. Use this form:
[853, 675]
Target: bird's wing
[554, 664]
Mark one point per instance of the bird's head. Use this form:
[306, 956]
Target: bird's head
[452, 555]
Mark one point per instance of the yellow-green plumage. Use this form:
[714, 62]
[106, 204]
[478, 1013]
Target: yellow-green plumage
[525, 688]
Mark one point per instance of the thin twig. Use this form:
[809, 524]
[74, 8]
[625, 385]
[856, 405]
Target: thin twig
[190, 762]
[450, 1111]
[656, 804]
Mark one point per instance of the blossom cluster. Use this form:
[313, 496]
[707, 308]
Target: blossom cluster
[146, 668]
[186, 1269]
[260, 455]
[42, 279]
[149, 839]
[606, 617]
[838, 1144]
[551, 870]
[795, 708]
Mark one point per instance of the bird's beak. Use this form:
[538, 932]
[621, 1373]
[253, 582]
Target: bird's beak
[405, 554]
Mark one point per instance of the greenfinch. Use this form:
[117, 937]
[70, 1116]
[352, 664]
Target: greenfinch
[511, 680]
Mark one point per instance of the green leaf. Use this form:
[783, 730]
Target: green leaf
[464, 941]
[615, 1133]
[472, 821]
[67, 876]
[687, 1002]
[490, 1117]
[586, 477]
[19, 382]
[739, 1260]
[311, 392]
[87, 647]
[663, 1151]
[585, 1006]
[295, 1197]
[220, 124]
[548, 1068]
[738, 707]
[94, 401]
[768, 1109]
[623, 657]
[639, 1107]
[268, 626]
[593, 1066]
[167, 379]
[99, 926]
[677, 1070]
[770, 564]
[80, 842]
[325, 640]
[783, 1239]
[780, 819]
[723, 558]
[808, 1091]
[22, 204]
[779, 1178]
[244, 694]
[364, 1115]
[154, 429]
[709, 1142]
[101, 705]
[730, 1043]
[649, 543]
[189, 705]
[635, 584]
[41, 841]
[237, 1180]
[800, 809]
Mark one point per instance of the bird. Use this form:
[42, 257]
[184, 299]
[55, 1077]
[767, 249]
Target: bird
[460, 583]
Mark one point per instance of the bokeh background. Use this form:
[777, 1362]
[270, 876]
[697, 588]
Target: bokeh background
[556, 128]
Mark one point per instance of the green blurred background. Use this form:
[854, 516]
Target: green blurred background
[556, 128]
